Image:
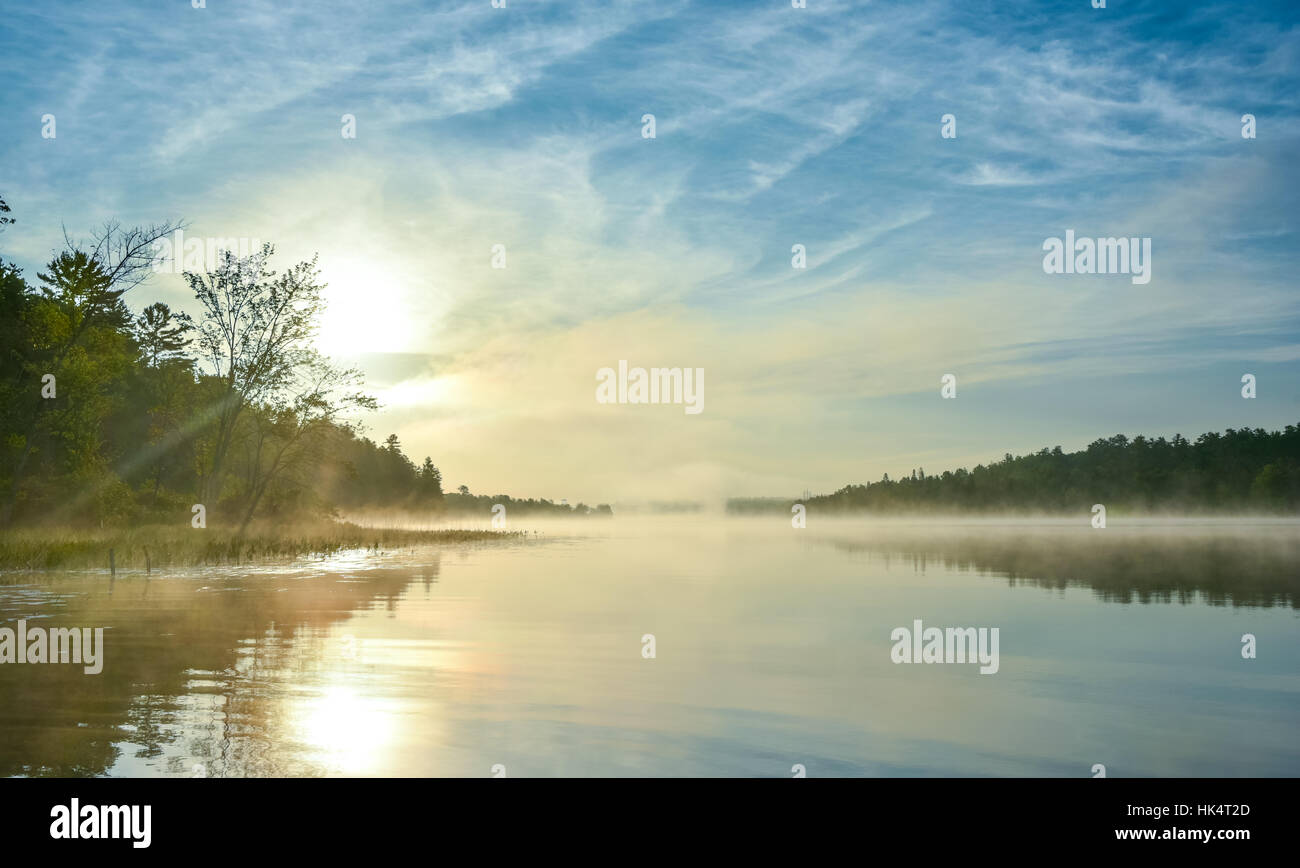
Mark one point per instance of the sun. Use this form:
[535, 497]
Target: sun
[367, 310]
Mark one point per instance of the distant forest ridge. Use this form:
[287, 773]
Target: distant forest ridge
[1240, 470]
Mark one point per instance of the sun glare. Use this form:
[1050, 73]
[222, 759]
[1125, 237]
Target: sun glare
[349, 731]
[360, 313]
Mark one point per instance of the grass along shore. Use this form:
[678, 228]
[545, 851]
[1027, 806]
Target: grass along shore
[160, 547]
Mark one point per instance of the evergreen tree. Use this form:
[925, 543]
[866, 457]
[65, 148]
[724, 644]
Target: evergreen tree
[430, 481]
[161, 336]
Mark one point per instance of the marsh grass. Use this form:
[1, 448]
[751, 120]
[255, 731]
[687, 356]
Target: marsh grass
[71, 548]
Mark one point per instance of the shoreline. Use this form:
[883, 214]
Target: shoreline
[158, 547]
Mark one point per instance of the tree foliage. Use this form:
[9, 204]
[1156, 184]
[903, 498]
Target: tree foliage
[1240, 470]
[107, 418]
[146, 414]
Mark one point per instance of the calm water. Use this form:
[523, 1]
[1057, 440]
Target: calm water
[1120, 646]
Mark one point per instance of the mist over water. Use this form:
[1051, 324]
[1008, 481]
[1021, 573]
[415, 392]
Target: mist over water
[1119, 646]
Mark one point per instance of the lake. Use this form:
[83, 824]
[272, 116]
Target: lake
[772, 655]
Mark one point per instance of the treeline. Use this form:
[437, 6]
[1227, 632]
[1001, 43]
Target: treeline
[111, 416]
[481, 504]
[364, 476]
[1240, 470]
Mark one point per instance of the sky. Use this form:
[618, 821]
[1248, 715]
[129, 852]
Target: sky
[773, 127]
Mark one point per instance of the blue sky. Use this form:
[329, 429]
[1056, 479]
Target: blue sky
[774, 126]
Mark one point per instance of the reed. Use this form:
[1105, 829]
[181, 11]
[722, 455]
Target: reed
[156, 547]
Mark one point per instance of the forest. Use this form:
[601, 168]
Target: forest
[113, 416]
[1239, 470]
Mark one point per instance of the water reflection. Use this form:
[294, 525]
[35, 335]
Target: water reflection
[773, 649]
[1237, 565]
[201, 667]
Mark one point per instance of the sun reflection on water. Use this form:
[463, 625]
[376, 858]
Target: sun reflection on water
[348, 730]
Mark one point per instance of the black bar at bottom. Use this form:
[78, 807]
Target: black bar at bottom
[641, 816]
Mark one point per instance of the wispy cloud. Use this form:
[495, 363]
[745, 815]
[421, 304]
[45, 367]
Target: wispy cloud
[775, 126]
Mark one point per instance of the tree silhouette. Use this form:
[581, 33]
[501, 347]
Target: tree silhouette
[161, 336]
[430, 480]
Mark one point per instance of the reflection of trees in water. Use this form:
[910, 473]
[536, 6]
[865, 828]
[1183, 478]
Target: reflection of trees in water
[182, 661]
[1258, 568]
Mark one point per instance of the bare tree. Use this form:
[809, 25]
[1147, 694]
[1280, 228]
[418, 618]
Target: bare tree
[255, 336]
[126, 256]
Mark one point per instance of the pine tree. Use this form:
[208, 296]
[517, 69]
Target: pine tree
[161, 335]
[431, 480]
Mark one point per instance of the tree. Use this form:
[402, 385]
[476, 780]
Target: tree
[84, 294]
[73, 331]
[126, 256]
[430, 481]
[253, 334]
[135, 425]
[161, 336]
[291, 431]
[276, 395]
